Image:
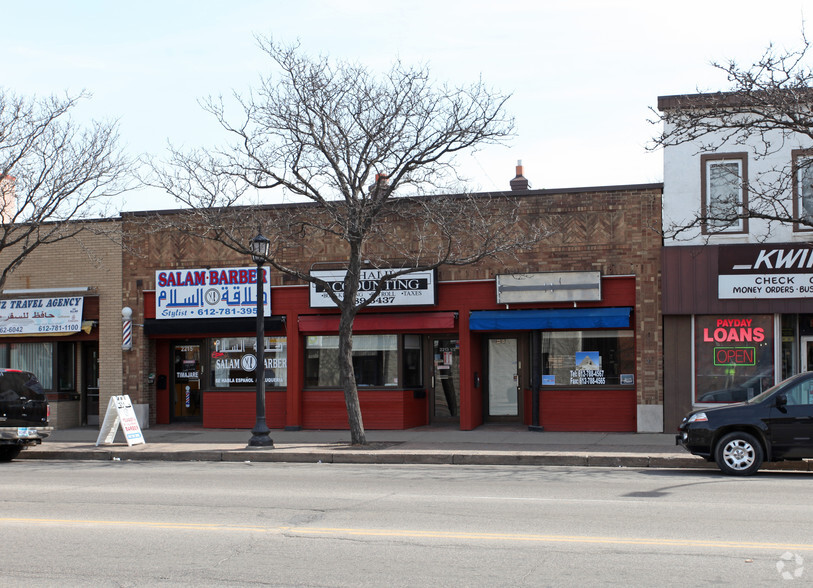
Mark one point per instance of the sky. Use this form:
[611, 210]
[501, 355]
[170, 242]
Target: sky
[582, 74]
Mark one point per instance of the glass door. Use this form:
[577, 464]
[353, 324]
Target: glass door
[445, 379]
[186, 395]
[807, 353]
[90, 354]
[503, 378]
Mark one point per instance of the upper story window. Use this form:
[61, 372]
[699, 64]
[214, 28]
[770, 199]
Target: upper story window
[724, 194]
[803, 188]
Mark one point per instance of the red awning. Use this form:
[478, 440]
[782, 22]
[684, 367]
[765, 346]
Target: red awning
[415, 321]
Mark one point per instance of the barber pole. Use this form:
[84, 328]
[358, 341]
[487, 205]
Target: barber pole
[127, 328]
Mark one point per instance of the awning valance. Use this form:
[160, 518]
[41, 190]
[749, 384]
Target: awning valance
[554, 318]
[413, 321]
[182, 327]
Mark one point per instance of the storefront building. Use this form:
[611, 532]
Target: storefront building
[60, 318]
[737, 320]
[737, 296]
[567, 339]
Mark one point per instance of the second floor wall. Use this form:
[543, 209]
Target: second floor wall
[721, 170]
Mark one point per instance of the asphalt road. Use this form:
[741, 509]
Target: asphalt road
[246, 524]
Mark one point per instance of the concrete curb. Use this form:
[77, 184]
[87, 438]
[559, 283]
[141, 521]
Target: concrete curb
[372, 457]
[395, 457]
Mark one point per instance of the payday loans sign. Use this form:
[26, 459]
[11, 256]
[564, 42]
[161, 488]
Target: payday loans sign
[210, 293]
[28, 316]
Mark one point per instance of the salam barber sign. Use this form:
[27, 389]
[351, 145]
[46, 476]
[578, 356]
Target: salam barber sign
[210, 293]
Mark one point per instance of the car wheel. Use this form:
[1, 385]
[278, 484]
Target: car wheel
[9, 452]
[738, 454]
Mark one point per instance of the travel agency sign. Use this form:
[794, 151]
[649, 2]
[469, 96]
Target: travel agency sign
[768, 270]
[37, 316]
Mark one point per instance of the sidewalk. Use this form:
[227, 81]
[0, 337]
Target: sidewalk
[486, 445]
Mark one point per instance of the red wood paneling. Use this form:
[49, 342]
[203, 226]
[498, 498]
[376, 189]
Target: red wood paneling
[380, 409]
[588, 410]
[236, 410]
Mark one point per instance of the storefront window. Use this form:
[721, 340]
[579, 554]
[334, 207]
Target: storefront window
[37, 358]
[588, 358]
[233, 359]
[66, 366]
[733, 357]
[375, 360]
[789, 338]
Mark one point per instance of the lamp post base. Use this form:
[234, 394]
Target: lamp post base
[260, 438]
[261, 441]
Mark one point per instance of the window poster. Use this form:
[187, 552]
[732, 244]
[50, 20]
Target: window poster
[733, 357]
[588, 369]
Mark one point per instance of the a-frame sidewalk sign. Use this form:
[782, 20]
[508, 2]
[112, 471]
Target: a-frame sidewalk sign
[120, 411]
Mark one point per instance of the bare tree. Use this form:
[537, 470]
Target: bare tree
[360, 152]
[768, 107]
[53, 172]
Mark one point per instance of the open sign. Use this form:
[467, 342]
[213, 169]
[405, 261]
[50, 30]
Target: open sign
[734, 356]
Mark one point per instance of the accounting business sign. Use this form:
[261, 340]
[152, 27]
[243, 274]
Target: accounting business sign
[210, 293]
[412, 289]
[768, 270]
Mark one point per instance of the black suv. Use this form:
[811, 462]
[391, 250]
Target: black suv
[24, 412]
[776, 425]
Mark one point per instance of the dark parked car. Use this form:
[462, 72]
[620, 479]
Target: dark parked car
[24, 412]
[748, 389]
[776, 425]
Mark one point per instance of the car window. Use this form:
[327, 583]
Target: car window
[801, 394]
[16, 384]
[11, 385]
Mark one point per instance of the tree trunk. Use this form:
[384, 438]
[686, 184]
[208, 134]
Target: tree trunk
[348, 376]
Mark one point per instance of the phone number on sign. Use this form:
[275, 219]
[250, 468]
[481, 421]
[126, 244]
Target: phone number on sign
[227, 311]
[379, 300]
[51, 329]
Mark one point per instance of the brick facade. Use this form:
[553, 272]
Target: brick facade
[91, 259]
[614, 230]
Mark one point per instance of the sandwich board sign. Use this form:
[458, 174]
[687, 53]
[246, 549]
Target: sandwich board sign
[120, 411]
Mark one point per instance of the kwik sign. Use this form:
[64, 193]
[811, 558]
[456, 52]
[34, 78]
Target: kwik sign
[783, 270]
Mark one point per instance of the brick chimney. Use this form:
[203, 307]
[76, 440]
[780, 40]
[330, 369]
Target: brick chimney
[519, 182]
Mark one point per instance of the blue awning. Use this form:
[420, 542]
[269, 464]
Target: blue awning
[554, 318]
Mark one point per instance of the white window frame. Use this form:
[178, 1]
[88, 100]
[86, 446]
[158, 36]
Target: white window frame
[806, 156]
[708, 162]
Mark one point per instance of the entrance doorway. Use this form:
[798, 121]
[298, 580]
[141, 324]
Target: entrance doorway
[185, 397]
[806, 353]
[90, 390]
[503, 378]
[445, 401]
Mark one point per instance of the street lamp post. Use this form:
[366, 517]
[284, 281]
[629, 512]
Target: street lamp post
[259, 434]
